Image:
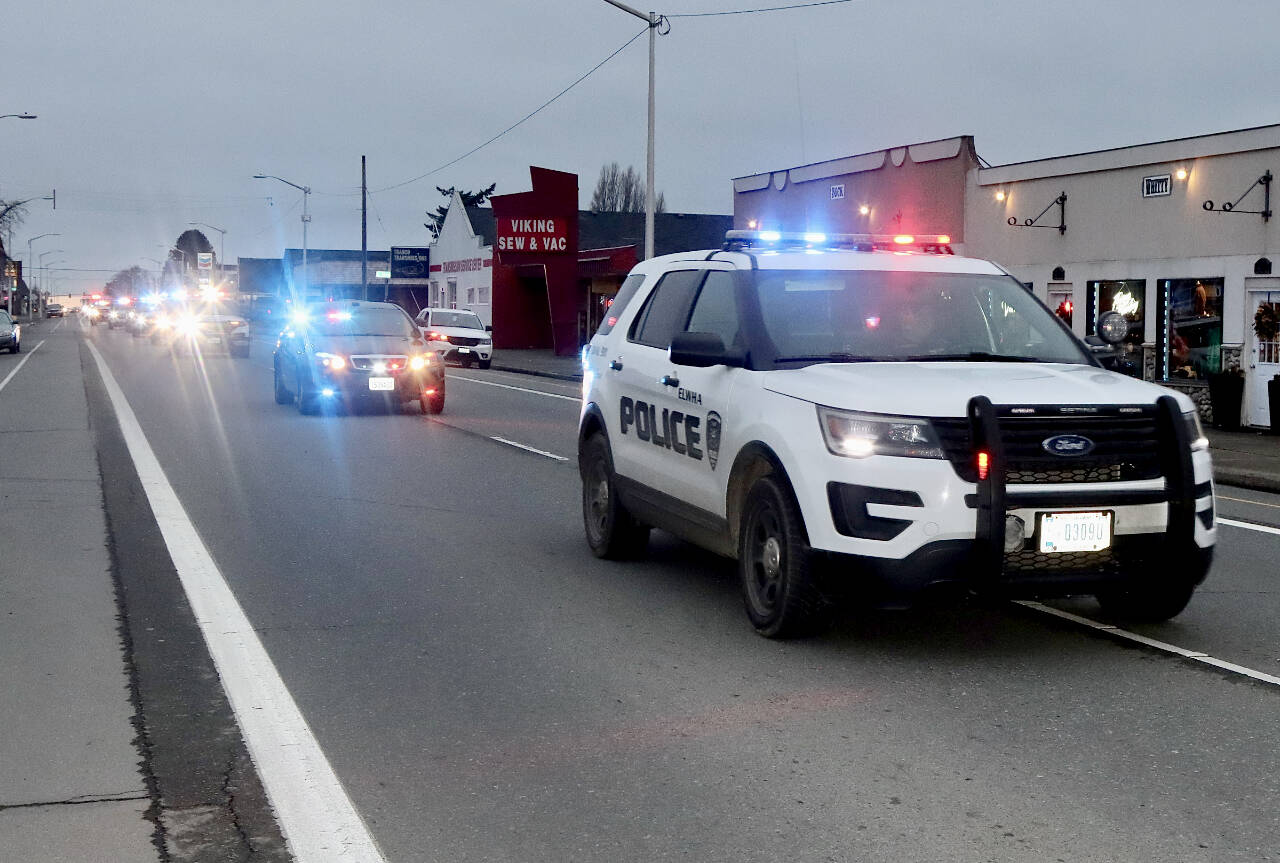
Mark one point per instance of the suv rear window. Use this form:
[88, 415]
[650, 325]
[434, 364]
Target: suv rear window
[618, 304]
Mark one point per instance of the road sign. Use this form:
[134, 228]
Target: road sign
[204, 260]
[409, 262]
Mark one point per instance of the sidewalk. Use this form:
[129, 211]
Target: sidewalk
[1247, 459]
[71, 788]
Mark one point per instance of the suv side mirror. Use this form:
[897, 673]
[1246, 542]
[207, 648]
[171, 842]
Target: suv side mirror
[489, 328]
[702, 350]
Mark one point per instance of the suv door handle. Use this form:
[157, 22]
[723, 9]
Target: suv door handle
[616, 365]
[669, 380]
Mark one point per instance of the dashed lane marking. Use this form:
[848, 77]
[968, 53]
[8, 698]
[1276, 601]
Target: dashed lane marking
[318, 819]
[528, 448]
[19, 366]
[1116, 631]
[1248, 525]
[575, 399]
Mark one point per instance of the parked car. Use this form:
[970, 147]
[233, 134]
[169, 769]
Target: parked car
[10, 333]
[458, 335]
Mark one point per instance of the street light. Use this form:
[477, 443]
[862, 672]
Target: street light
[221, 254]
[19, 116]
[306, 217]
[32, 240]
[654, 20]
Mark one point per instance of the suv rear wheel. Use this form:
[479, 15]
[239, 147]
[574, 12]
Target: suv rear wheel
[775, 564]
[612, 532]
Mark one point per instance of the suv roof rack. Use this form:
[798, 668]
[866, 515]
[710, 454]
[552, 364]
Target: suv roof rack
[936, 244]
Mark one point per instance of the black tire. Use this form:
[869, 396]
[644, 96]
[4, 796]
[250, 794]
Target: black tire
[484, 364]
[283, 396]
[15, 348]
[434, 403]
[308, 402]
[775, 564]
[612, 532]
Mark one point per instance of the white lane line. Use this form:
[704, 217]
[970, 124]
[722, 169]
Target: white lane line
[1195, 655]
[576, 399]
[1246, 500]
[315, 814]
[527, 448]
[16, 368]
[1248, 525]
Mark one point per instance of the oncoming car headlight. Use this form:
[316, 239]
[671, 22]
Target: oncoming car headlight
[857, 435]
[330, 361]
[1195, 431]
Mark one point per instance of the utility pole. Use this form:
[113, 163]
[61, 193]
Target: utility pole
[364, 232]
[655, 21]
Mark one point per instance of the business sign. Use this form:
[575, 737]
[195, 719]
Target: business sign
[837, 192]
[466, 265]
[1156, 187]
[204, 260]
[409, 262]
[537, 236]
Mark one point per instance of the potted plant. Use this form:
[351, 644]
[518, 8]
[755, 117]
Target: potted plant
[1226, 395]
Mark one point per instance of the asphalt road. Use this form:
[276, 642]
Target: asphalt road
[488, 691]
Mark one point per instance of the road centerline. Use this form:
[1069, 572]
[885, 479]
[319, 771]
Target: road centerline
[316, 815]
[1248, 525]
[574, 399]
[528, 448]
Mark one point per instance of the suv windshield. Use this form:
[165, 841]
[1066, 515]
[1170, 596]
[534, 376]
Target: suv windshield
[364, 322]
[860, 315]
[456, 319]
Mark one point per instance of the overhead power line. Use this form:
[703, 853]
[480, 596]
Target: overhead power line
[755, 11]
[517, 123]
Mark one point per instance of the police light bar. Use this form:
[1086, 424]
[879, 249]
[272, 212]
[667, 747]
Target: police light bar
[932, 243]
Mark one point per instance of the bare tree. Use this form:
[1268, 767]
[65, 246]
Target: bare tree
[622, 191]
[12, 214]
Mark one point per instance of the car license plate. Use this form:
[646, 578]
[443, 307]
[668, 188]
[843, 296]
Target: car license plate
[1074, 531]
[382, 384]
[464, 350]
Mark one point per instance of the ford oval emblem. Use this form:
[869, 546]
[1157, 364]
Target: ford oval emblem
[1067, 445]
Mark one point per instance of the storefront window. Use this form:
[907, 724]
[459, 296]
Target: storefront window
[1128, 297]
[1191, 328]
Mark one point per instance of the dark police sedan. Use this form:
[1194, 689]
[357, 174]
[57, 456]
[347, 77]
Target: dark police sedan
[349, 351]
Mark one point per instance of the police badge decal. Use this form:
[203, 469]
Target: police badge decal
[713, 438]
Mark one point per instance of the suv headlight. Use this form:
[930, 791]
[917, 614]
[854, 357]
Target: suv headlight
[1195, 431]
[857, 435]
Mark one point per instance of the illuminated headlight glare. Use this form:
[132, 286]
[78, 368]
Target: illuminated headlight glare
[417, 363]
[331, 361]
[187, 325]
[861, 435]
[1195, 431]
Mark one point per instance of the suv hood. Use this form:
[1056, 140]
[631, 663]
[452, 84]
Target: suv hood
[944, 389]
[348, 346]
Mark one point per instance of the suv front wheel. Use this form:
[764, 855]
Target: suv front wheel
[775, 564]
[612, 532]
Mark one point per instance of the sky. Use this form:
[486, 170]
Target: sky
[156, 113]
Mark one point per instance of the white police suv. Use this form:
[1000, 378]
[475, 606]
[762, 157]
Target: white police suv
[877, 416]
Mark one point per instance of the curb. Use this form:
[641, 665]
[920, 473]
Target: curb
[538, 374]
[1246, 479]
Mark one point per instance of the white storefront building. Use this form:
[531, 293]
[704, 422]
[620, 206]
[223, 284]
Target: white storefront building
[462, 264]
[1177, 235]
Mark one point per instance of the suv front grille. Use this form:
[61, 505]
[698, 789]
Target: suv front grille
[463, 341]
[1126, 444]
